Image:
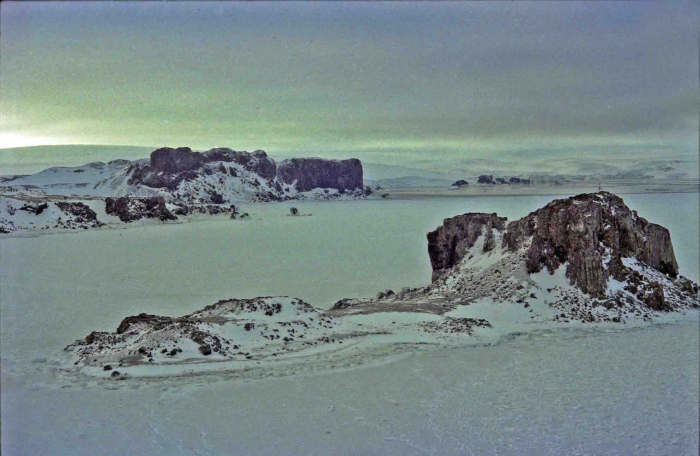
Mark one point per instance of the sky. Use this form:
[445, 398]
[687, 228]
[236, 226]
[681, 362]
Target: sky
[418, 84]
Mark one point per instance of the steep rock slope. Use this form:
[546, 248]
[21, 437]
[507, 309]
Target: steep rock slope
[310, 173]
[600, 243]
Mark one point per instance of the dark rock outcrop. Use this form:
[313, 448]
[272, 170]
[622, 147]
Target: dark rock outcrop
[591, 233]
[36, 210]
[310, 173]
[142, 318]
[518, 181]
[449, 243]
[81, 212]
[129, 209]
[172, 161]
[168, 167]
[460, 183]
[257, 162]
[484, 179]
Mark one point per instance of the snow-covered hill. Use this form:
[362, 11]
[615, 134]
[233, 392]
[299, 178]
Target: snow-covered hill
[217, 176]
[185, 181]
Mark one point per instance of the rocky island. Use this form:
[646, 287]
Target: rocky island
[585, 260]
[171, 182]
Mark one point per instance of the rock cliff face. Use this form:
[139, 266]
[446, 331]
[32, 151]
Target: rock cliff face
[595, 235]
[174, 161]
[310, 173]
[169, 167]
[592, 233]
[255, 172]
[130, 209]
[257, 162]
[448, 244]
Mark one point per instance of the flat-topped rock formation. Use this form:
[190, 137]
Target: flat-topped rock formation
[188, 181]
[310, 173]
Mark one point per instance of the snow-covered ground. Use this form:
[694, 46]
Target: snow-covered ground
[554, 391]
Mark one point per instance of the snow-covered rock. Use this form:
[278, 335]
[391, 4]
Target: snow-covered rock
[486, 286]
[41, 215]
[182, 181]
[217, 176]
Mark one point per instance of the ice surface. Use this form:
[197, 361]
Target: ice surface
[550, 392]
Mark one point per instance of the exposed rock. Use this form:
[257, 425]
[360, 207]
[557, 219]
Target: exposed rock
[656, 299]
[485, 179]
[687, 285]
[169, 167]
[142, 318]
[81, 212]
[129, 209]
[36, 210]
[517, 180]
[448, 244]
[144, 338]
[457, 325]
[310, 173]
[257, 162]
[173, 161]
[460, 183]
[217, 198]
[598, 239]
[592, 233]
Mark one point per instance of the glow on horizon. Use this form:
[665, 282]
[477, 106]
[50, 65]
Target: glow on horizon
[10, 140]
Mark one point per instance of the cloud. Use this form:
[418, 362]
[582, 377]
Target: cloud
[474, 78]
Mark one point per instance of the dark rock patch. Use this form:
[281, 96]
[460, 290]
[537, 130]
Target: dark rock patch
[129, 209]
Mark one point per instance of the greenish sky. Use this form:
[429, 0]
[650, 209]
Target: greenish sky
[398, 83]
